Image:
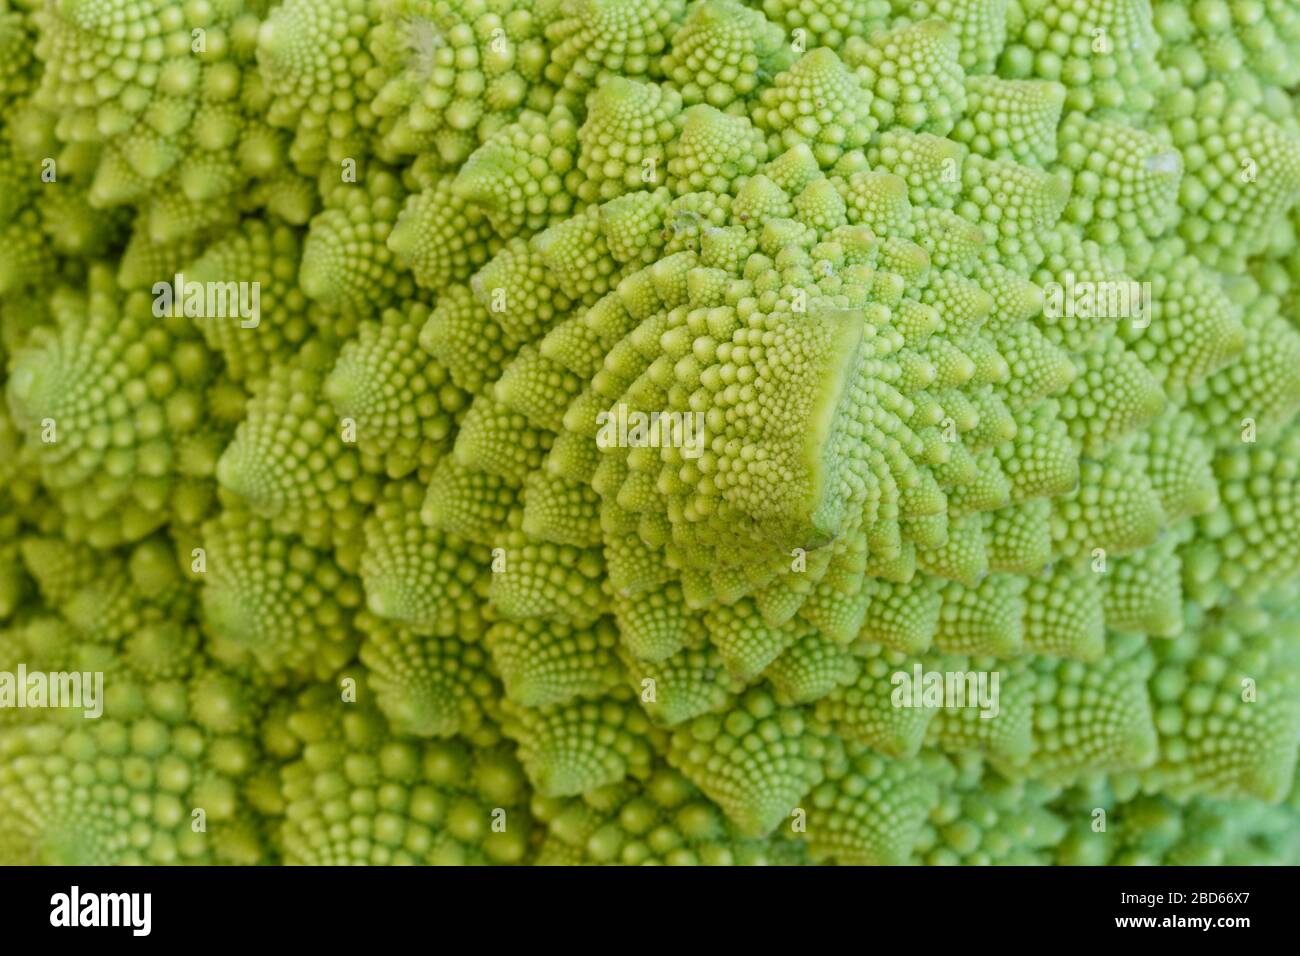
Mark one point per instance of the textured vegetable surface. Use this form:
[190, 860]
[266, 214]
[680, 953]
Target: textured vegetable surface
[614, 431]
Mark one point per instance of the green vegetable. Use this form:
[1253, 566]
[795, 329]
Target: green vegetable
[699, 432]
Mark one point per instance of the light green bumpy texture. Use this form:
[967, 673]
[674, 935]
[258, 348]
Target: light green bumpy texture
[638, 396]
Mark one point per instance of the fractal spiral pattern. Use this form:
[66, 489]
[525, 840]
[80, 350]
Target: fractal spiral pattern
[536, 432]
